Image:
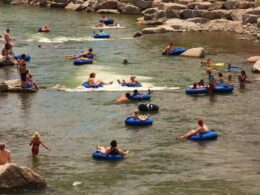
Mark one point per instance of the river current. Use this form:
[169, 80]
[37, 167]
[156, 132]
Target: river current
[72, 120]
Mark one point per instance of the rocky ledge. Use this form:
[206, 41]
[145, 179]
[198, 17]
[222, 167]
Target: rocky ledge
[15, 87]
[242, 17]
[14, 177]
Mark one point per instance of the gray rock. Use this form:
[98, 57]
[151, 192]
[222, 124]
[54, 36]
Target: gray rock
[13, 177]
[108, 11]
[236, 14]
[73, 7]
[231, 4]
[173, 13]
[188, 13]
[121, 6]
[150, 11]
[143, 4]
[255, 11]
[217, 5]
[253, 59]
[217, 14]
[131, 9]
[157, 29]
[110, 4]
[198, 52]
[249, 18]
[256, 67]
[57, 5]
[138, 34]
[199, 5]
[198, 20]
[180, 24]
[172, 6]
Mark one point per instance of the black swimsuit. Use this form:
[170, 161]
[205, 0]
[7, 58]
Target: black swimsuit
[114, 151]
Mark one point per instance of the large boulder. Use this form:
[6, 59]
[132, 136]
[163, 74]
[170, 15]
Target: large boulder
[231, 4]
[198, 52]
[157, 29]
[131, 9]
[199, 5]
[170, 13]
[250, 18]
[188, 13]
[13, 177]
[108, 11]
[110, 4]
[143, 4]
[154, 16]
[217, 14]
[253, 59]
[256, 67]
[73, 7]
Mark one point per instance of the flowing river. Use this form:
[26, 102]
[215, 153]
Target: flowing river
[73, 120]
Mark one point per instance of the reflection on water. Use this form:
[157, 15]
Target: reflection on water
[73, 123]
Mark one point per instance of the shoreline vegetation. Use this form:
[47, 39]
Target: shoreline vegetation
[161, 16]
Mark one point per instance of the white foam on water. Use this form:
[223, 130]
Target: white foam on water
[103, 75]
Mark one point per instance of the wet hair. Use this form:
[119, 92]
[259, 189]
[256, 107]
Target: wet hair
[23, 56]
[2, 146]
[201, 82]
[36, 135]
[90, 49]
[128, 95]
[125, 61]
[7, 46]
[243, 72]
[92, 75]
[113, 143]
[194, 85]
[135, 91]
[200, 122]
[101, 30]
[136, 112]
[220, 74]
[8, 30]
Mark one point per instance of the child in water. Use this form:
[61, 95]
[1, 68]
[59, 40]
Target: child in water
[36, 142]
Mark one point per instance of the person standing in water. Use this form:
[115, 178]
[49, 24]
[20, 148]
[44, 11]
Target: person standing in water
[242, 79]
[35, 143]
[5, 154]
[212, 81]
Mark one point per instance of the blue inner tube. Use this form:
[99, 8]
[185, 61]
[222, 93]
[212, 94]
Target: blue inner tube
[148, 107]
[135, 121]
[107, 21]
[222, 88]
[131, 84]
[102, 156]
[82, 62]
[86, 85]
[102, 36]
[90, 56]
[234, 68]
[141, 96]
[19, 56]
[201, 90]
[208, 135]
[177, 51]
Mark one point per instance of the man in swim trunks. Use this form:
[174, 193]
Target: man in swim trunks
[124, 99]
[5, 154]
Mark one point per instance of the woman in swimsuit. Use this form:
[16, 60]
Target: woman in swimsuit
[92, 82]
[212, 80]
[112, 149]
[242, 78]
[36, 142]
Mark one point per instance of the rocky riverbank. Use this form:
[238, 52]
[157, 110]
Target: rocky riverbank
[160, 16]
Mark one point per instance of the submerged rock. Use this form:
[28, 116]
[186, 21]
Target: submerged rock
[158, 29]
[198, 52]
[256, 67]
[13, 177]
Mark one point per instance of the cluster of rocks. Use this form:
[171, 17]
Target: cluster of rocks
[241, 16]
[14, 86]
[256, 65]
[14, 177]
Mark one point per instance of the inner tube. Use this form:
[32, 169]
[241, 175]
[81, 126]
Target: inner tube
[19, 57]
[200, 90]
[223, 88]
[44, 31]
[141, 96]
[107, 21]
[101, 156]
[148, 107]
[177, 51]
[135, 121]
[86, 85]
[234, 68]
[82, 62]
[131, 84]
[90, 56]
[207, 135]
[102, 36]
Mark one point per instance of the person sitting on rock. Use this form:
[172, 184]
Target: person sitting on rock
[167, 50]
[5, 154]
[30, 83]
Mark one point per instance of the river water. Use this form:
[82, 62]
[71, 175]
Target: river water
[72, 120]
